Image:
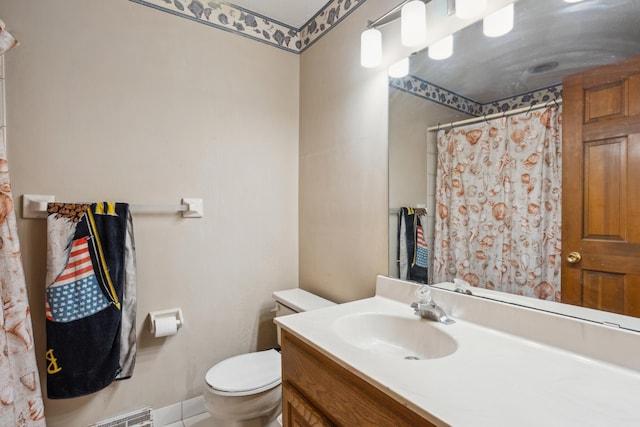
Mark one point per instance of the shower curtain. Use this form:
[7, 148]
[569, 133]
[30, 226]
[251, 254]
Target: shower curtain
[20, 396]
[498, 197]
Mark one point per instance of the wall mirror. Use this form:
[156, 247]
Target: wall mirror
[551, 40]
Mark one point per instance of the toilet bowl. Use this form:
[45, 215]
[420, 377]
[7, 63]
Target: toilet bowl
[245, 390]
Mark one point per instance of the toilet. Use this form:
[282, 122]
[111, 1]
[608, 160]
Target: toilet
[245, 390]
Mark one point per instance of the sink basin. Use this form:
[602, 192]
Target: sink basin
[396, 336]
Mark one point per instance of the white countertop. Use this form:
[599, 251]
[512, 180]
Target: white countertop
[493, 379]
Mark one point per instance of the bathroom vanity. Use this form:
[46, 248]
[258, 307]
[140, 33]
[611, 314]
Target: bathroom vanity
[373, 362]
[316, 390]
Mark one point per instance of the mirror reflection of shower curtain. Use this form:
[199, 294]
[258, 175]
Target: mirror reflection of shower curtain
[498, 198]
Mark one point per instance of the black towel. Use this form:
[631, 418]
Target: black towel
[412, 248]
[89, 270]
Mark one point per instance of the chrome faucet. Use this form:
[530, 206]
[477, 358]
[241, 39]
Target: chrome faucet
[426, 308]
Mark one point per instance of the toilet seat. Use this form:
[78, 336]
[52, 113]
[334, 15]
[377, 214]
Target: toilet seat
[246, 374]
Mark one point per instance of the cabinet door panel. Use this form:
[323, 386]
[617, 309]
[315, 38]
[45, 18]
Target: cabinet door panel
[298, 412]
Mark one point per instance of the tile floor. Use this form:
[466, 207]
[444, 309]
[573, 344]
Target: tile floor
[189, 413]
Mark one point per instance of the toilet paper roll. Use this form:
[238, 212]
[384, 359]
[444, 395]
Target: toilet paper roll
[165, 326]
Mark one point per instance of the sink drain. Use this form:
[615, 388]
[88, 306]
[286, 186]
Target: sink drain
[411, 358]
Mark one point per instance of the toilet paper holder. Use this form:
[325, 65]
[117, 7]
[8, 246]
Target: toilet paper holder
[171, 312]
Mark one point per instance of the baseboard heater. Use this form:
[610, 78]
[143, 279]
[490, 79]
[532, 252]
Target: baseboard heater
[139, 418]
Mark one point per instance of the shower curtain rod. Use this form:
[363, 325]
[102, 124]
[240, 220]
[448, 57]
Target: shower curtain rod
[495, 116]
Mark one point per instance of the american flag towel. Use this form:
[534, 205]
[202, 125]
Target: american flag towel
[76, 293]
[90, 297]
[413, 252]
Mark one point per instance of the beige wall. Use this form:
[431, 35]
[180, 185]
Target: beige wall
[343, 164]
[114, 100]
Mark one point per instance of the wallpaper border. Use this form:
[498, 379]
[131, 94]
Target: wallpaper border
[229, 17]
[328, 17]
[432, 92]
[424, 89]
[538, 96]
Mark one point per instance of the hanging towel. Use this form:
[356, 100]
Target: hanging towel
[413, 252]
[90, 297]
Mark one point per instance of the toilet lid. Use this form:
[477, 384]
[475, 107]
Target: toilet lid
[246, 374]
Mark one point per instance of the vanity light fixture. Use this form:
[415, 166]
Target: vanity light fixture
[467, 9]
[442, 49]
[499, 22]
[413, 23]
[413, 26]
[399, 69]
[371, 48]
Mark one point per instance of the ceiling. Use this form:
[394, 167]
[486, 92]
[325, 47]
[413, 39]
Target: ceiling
[576, 36]
[294, 13]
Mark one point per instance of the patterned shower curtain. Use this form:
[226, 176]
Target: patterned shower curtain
[498, 196]
[20, 396]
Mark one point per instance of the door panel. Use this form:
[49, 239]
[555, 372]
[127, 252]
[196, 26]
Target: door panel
[605, 102]
[604, 190]
[604, 291]
[601, 188]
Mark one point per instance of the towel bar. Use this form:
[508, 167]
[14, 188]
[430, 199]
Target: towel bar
[35, 206]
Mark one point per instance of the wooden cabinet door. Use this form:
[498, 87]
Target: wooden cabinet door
[601, 188]
[298, 412]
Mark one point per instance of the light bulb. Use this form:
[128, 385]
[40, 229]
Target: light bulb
[399, 69]
[413, 23]
[467, 9]
[371, 48]
[499, 22]
[441, 49]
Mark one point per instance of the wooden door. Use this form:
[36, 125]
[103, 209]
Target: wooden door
[601, 188]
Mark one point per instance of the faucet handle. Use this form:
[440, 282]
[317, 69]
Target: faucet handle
[462, 286]
[423, 293]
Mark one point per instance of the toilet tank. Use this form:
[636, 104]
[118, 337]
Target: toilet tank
[297, 300]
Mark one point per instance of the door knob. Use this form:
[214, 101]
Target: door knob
[574, 258]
